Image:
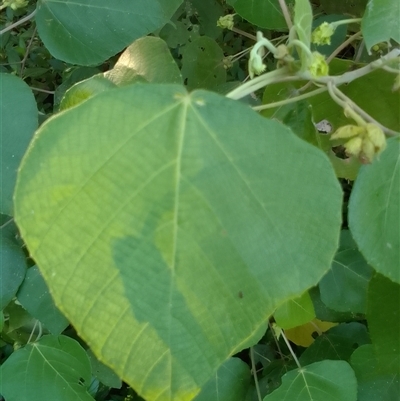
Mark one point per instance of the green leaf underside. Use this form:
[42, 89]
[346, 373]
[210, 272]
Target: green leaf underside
[263, 13]
[374, 220]
[148, 59]
[18, 121]
[173, 266]
[381, 22]
[326, 380]
[90, 31]
[54, 368]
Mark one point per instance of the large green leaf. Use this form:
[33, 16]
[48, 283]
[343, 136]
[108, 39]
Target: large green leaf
[381, 22]
[87, 32]
[54, 368]
[326, 380]
[383, 315]
[263, 13]
[18, 121]
[160, 220]
[374, 213]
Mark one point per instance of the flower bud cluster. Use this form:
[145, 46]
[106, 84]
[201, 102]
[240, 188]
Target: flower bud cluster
[365, 141]
[15, 4]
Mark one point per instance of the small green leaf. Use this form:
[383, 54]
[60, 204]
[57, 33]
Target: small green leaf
[147, 59]
[383, 316]
[373, 383]
[344, 287]
[54, 368]
[229, 383]
[338, 343]
[381, 22]
[19, 119]
[89, 32]
[374, 213]
[34, 296]
[202, 65]
[326, 380]
[295, 312]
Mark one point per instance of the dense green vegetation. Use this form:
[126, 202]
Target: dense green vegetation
[200, 200]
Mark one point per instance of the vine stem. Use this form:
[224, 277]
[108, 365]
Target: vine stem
[286, 13]
[28, 48]
[18, 23]
[290, 100]
[290, 349]
[342, 46]
[253, 368]
[257, 83]
[7, 223]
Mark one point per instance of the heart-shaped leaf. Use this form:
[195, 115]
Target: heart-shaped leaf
[326, 380]
[169, 227]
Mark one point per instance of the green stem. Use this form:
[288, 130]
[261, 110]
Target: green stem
[253, 368]
[286, 13]
[259, 82]
[345, 22]
[290, 100]
[343, 46]
[290, 349]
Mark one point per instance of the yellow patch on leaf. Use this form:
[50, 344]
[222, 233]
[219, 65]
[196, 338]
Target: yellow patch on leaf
[303, 335]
